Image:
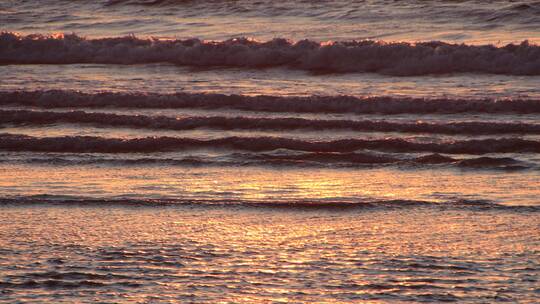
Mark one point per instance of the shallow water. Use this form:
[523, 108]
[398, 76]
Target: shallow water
[167, 78]
[473, 21]
[68, 177]
[243, 255]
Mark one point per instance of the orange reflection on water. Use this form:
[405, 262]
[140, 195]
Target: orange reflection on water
[261, 184]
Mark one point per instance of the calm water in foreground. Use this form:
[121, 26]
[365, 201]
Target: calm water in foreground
[163, 254]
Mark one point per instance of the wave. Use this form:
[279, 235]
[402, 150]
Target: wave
[247, 123]
[64, 284]
[302, 204]
[356, 158]
[313, 159]
[263, 103]
[91, 144]
[392, 58]
[144, 3]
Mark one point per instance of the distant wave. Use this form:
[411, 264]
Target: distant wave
[311, 104]
[247, 123]
[393, 58]
[77, 144]
[306, 204]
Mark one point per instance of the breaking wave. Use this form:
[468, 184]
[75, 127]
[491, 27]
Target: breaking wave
[312, 104]
[79, 144]
[389, 58]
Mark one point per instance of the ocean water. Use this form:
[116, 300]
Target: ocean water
[269, 151]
